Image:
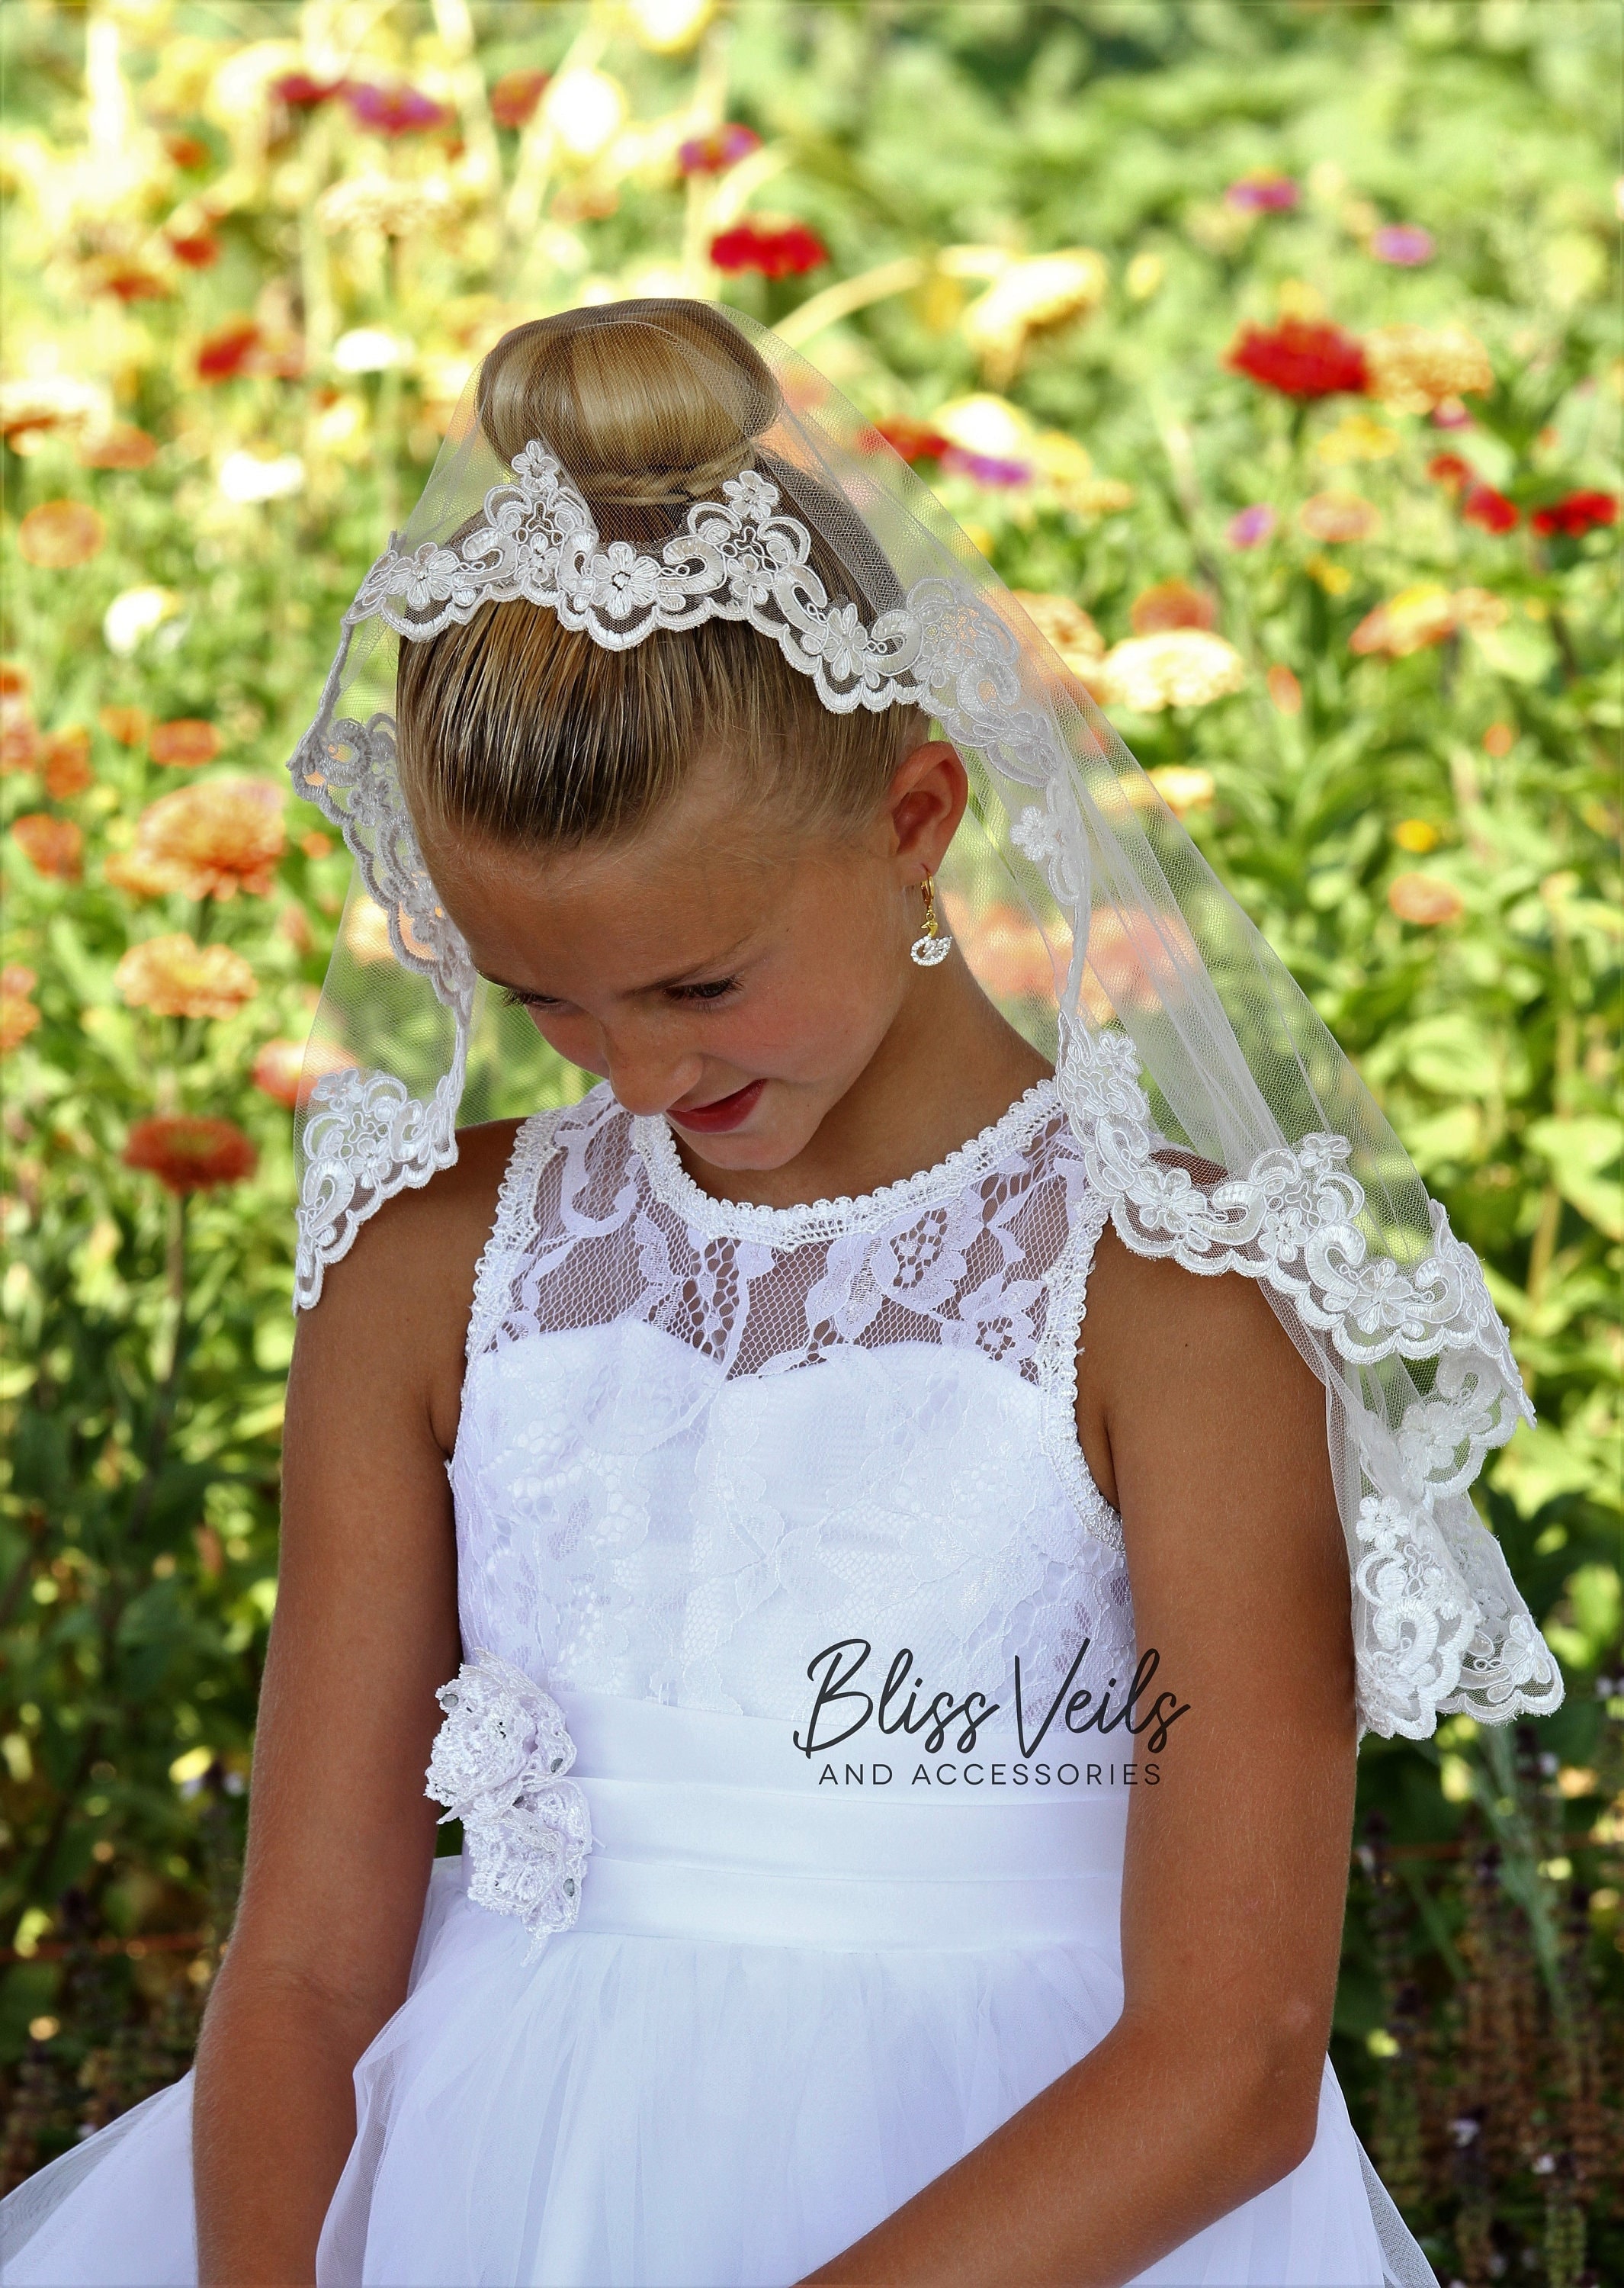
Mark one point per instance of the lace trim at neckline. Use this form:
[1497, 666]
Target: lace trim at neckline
[824, 1219]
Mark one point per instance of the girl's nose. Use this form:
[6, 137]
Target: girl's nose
[647, 1077]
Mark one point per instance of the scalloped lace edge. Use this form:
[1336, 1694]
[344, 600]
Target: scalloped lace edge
[1067, 1284]
[819, 1220]
[512, 1227]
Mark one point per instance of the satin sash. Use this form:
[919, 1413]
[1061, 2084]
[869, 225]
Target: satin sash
[707, 1825]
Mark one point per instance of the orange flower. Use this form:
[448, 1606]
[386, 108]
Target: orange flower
[288, 1070]
[14, 679]
[1425, 900]
[126, 726]
[60, 534]
[1337, 517]
[1284, 690]
[174, 976]
[54, 847]
[18, 737]
[1498, 739]
[213, 840]
[122, 447]
[189, 1155]
[18, 1014]
[1171, 604]
[66, 757]
[184, 743]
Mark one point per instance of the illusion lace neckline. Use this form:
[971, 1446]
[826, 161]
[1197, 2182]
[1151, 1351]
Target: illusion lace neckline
[823, 1219]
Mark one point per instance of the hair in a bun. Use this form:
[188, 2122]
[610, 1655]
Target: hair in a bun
[516, 728]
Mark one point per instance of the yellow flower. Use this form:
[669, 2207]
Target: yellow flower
[1182, 789]
[1357, 437]
[174, 976]
[1416, 835]
[1417, 616]
[1030, 298]
[1066, 626]
[388, 204]
[1181, 667]
[1336, 579]
[1414, 368]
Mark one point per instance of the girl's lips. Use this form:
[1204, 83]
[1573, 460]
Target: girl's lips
[722, 1112]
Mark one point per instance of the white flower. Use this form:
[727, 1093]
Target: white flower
[585, 110]
[245, 478]
[498, 1764]
[135, 614]
[369, 349]
[1036, 834]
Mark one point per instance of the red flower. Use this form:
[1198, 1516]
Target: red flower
[222, 356]
[188, 1154]
[783, 250]
[1575, 514]
[515, 95]
[198, 252]
[1300, 359]
[394, 110]
[915, 441]
[714, 154]
[300, 93]
[1449, 469]
[1482, 504]
[133, 285]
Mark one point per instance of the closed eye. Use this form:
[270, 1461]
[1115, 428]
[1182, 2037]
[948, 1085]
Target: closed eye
[715, 988]
[708, 993]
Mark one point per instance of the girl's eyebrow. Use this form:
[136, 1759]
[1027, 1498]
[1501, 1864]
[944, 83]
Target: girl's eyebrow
[659, 985]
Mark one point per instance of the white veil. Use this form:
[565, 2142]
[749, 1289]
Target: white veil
[1218, 1116]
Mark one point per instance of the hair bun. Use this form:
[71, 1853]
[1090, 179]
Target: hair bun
[647, 404]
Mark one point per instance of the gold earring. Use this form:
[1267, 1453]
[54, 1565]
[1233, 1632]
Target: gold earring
[934, 945]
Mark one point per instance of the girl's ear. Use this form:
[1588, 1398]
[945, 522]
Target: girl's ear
[924, 803]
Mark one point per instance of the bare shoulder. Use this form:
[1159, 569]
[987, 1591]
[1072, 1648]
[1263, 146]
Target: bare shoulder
[396, 1307]
[1181, 1375]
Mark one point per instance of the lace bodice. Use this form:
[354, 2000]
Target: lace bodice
[702, 1440]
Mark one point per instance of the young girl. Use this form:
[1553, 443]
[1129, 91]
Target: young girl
[894, 1636]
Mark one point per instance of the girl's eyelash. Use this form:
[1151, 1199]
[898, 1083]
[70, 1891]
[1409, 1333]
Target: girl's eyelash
[708, 993]
[713, 989]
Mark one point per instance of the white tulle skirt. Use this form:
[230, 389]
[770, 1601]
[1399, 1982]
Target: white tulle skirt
[780, 2014]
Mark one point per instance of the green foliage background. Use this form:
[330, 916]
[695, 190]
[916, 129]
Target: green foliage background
[144, 1346]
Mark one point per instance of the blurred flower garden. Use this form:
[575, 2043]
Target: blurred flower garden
[1272, 351]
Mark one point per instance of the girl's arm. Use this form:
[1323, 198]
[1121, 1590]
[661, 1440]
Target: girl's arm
[340, 1833]
[1203, 1427]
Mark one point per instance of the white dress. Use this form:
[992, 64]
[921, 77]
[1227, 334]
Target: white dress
[761, 1497]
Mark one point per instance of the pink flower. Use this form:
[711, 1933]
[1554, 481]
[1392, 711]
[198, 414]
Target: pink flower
[985, 468]
[1250, 526]
[300, 93]
[1264, 193]
[1403, 243]
[393, 110]
[721, 149]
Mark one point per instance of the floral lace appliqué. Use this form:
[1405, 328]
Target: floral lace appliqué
[498, 1764]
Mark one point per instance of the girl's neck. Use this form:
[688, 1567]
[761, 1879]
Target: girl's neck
[950, 1066]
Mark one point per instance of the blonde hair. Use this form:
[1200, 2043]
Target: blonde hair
[519, 728]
